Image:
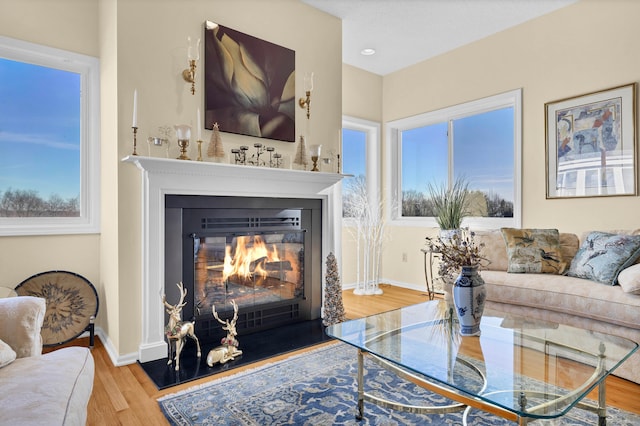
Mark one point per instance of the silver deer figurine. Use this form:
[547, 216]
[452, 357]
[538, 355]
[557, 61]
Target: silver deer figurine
[177, 330]
[229, 348]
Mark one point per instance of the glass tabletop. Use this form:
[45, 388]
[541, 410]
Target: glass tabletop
[528, 367]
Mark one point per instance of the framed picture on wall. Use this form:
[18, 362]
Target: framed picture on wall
[591, 144]
[249, 84]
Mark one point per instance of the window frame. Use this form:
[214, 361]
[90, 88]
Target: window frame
[88, 68]
[372, 161]
[394, 128]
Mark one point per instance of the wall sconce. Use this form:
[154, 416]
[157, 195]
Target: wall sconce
[308, 88]
[193, 56]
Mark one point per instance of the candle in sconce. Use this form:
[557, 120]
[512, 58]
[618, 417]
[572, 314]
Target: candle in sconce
[135, 108]
[199, 126]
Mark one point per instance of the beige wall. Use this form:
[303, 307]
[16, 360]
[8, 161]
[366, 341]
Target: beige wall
[69, 25]
[361, 94]
[583, 48]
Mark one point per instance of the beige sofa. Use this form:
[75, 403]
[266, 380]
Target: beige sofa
[560, 298]
[37, 389]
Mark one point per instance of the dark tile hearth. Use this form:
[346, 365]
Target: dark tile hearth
[255, 347]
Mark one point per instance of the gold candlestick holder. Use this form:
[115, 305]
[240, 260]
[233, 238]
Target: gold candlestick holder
[199, 150]
[183, 144]
[315, 152]
[135, 132]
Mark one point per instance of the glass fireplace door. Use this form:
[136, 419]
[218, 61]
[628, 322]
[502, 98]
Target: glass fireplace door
[251, 269]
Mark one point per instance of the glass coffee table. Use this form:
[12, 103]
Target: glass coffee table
[518, 368]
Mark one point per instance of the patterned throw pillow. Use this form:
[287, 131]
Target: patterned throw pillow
[534, 250]
[629, 279]
[7, 355]
[603, 255]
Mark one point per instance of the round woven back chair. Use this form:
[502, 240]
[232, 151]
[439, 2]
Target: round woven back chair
[72, 305]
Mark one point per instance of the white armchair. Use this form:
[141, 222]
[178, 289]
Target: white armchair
[36, 389]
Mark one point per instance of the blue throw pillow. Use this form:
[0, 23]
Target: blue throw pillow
[603, 255]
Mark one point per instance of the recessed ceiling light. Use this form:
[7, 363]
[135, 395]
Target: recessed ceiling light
[368, 51]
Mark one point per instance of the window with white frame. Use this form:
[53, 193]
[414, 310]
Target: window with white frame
[49, 140]
[359, 158]
[478, 141]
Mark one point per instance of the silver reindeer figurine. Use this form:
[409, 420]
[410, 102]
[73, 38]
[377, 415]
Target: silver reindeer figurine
[178, 330]
[229, 348]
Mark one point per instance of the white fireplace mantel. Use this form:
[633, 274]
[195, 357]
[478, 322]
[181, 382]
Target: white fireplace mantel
[162, 177]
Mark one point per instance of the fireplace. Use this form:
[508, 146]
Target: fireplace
[262, 253]
[162, 178]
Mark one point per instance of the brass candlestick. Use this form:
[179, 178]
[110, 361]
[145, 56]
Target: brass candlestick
[315, 151]
[183, 144]
[199, 150]
[135, 131]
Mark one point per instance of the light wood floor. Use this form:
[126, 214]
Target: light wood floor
[126, 396]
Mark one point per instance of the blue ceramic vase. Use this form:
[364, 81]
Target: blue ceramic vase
[469, 294]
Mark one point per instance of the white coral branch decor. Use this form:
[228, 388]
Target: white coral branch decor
[369, 235]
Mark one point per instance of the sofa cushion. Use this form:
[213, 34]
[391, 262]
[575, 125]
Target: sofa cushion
[7, 355]
[569, 246]
[51, 389]
[534, 250]
[495, 249]
[560, 293]
[603, 255]
[629, 279]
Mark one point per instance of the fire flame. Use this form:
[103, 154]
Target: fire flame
[250, 255]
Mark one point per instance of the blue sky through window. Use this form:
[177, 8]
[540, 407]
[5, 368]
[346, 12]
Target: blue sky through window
[354, 151]
[39, 129]
[482, 152]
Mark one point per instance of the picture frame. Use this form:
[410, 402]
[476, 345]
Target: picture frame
[591, 147]
[249, 84]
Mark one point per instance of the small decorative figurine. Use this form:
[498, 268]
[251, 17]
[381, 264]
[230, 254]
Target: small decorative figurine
[178, 330]
[215, 149]
[228, 351]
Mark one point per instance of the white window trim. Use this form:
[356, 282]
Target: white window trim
[89, 69]
[393, 128]
[372, 130]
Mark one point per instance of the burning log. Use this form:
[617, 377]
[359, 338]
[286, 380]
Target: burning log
[280, 265]
[258, 263]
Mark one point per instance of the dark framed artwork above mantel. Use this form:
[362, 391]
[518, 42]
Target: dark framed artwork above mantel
[249, 84]
[591, 144]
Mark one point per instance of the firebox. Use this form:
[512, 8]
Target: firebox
[262, 253]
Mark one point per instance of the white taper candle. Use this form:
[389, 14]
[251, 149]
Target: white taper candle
[135, 108]
[199, 126]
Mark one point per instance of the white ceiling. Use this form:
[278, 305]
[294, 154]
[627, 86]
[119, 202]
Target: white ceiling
[405, 32]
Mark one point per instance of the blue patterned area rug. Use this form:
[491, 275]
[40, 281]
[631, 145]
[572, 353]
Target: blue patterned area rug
[319, 388]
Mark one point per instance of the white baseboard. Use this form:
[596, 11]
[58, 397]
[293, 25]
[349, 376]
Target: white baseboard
[117, 360]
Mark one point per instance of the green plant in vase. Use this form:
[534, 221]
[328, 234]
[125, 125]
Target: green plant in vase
[450, 204]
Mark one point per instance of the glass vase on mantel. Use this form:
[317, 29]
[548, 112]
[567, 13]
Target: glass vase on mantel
[469, 295]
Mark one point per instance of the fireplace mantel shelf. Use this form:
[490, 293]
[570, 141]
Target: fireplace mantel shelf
[162, 176]
[166, 166]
